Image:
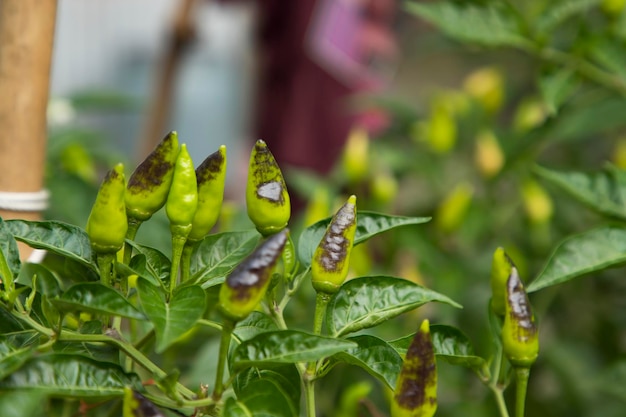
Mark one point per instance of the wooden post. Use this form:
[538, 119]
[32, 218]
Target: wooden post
[26, 38]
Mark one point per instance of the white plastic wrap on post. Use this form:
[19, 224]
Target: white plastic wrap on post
[24, 201]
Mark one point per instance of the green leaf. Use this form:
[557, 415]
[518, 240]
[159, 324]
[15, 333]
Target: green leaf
[368, 301]
[15, 350]
[9, 257]
[604, 192]
[150, 262]
[26, 403]
[96, 298]
[286, 346]
[234, 408]
[581, 254]
[174, 318]
[217, 255]
[266, 398]
[375, 356]
[450, 345]
[369, 224]
[556, 88]
[285, 376]
[559, 11]
[254, 324]
[609, 53]
[64, 239]
[47, 283]
[70, 376]
[488, 26]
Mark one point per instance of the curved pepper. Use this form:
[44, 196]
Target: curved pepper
[520, 336]
[182, 200]
[107, 223]
[246, 285]
[211, 176]
[267, 199]
[331, 259]
[149, 184]
[416, 387]
[501, 267]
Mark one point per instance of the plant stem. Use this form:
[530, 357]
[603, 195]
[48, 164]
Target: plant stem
[106, 262]
[521, 384]
[185, 262]
[321, 302]
[227, 330]
[133, 227]
[127, 348]
[179, 238]
[309, 394]
[498, 393]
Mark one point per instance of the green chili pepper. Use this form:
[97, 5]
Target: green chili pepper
[149, 184]
[267, 199]
[501, 267]
[520, 336]
[416, 387]
[182, 200]
[211, 176]
[331, 259]
[246, 285]
[107, 223]
[136, 405]
[181, 206]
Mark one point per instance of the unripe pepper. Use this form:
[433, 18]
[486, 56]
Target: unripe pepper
[149, 184]
[246, 285]
[331, 259]
[416, 387]
[107, 223]
[211, 177]
[182, 200]
[520, 336]
[267, 199]
[501, 267]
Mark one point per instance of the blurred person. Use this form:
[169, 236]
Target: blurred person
[314, 55]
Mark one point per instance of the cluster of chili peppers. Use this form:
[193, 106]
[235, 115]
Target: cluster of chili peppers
[193, 199]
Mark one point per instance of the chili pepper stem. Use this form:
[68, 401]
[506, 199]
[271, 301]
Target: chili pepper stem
[227, 330]
[133, 227]
[185, 261]
[309, 393]
[179, 238]
[498, 394]
[521, 384]
[106, 262]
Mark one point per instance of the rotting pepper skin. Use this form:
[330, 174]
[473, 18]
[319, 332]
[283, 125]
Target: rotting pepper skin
[107, 223]
[501, 267]
[520, 335]
[182, 200]
[211, 177]
[149, 185]
[331, 260]
[416, 387]
[267, 199]
[246, 285]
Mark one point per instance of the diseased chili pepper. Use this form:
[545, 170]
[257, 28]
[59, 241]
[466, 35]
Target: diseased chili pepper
[416, 387]
[149, 184]
[267, 199]
[181, 206]
[246, 285]
[520, 336]
[107, 223]
[331, 259]
[211, 177]
[501, 267]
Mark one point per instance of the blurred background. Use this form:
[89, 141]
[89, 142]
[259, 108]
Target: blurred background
[436, 108]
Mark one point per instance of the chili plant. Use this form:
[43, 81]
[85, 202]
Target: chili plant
[105, 325]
